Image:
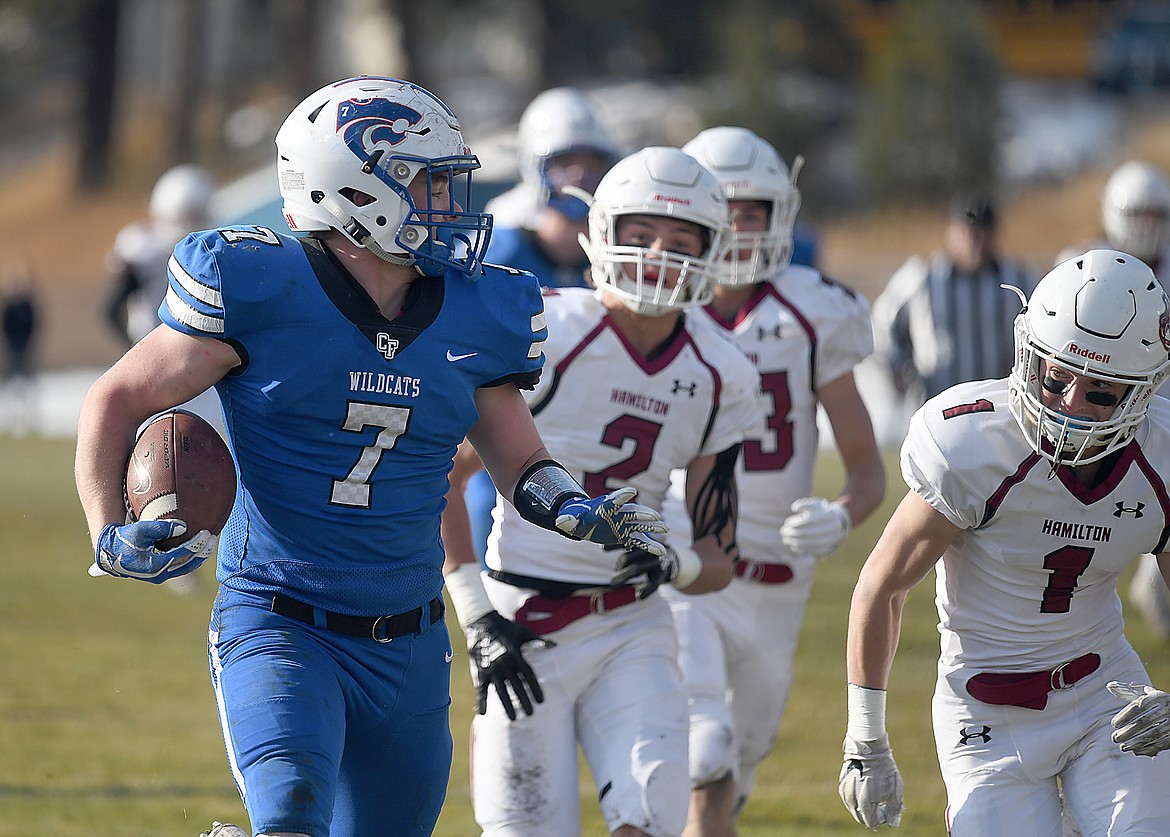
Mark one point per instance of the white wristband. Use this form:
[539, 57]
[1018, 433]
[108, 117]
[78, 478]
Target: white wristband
[867, 713]
[468, 594]
[690, 567]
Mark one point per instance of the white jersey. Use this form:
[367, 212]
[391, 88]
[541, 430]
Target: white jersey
[613, 418]
[1032, 582]
[802, 331]
[140, 249]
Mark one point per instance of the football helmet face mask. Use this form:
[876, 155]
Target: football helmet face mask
[657, 181]
[1135, 210]
[748, 168]
[373, 135]
[1102, 315]
[556, 124]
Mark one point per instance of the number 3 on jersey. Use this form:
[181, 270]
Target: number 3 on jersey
[755, 455]
[354, 490]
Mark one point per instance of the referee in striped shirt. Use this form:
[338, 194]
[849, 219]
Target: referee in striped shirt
[945, 319]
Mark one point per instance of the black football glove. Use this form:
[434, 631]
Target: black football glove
[654, 570]
[495, 645]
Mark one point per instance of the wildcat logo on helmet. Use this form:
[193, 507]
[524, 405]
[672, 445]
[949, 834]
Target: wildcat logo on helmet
[367, 123]
[1164, 325]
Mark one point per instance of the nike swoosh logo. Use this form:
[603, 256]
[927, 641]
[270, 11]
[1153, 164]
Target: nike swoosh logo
[454, 358]
[449, 656]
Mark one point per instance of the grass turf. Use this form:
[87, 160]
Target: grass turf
[108, 726]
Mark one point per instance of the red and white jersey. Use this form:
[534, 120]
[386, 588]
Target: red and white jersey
[613, 418]
[802, 331]
[1032, 582]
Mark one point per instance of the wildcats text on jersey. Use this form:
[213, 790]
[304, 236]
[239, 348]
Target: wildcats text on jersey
[384, 383]
[1076, 531]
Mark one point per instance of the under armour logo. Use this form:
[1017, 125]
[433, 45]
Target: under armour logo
[762, 332]
[1136, 511]
[387, 345]
[981, 734]
[679, 387]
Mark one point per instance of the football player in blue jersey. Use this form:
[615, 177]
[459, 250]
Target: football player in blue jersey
[351, 362]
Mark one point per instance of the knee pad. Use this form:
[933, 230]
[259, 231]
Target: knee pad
[666, 798]
[713, 754]
[657, 801]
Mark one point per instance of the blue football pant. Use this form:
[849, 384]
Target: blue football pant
[328, 734]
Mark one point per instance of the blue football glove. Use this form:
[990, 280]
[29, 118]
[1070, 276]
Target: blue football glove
[613, 520]
[129, 551]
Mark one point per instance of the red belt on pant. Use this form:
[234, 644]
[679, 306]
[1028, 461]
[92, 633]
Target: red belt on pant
[1030, 689]
[545, 614]
[761, 572]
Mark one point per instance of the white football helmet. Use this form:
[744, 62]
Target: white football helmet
[657, 181]
[1103, 315]
[180, 201]
[1135, 210]
[562, 121]
[373, 135]
[748, 168]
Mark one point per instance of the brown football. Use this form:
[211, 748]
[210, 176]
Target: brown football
[180, 469]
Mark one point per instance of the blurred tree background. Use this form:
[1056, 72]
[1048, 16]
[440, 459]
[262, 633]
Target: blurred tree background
[135, 86]
[929, 125]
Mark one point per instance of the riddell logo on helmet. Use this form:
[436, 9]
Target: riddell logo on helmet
[673, 199]
[1088, 354]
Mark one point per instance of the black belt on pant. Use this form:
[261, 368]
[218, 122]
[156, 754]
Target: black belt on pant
[379, 628]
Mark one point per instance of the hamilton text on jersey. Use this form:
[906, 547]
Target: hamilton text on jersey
[1076, 531]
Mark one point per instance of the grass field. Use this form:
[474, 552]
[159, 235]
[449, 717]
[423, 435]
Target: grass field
[108, 727]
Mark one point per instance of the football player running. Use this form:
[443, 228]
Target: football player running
[351, 364]
[636, 390]
[1028, 497]
[537, 223]
[1135, 215]
[805, 334]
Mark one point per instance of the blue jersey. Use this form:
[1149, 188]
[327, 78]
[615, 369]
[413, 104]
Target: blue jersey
[343, 424]
[517, 248]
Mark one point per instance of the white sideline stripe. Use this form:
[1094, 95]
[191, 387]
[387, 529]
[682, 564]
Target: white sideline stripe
[535, 349]
[216, 671]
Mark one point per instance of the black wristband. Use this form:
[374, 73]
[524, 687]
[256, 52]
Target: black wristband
[542, 490]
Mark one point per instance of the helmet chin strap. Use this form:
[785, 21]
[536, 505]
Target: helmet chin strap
[403, 260]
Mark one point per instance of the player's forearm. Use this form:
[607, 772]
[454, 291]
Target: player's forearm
[865, 488]
[718, 566]
[455, 527]
[105, 434]
[874, 627]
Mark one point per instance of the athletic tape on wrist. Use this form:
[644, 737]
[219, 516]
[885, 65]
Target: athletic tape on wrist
[468, 594]
[867, 713]
[690, 567]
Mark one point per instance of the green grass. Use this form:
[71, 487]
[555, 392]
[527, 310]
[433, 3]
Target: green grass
[108, 726]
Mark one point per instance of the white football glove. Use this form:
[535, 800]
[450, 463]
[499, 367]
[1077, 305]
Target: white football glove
[1142, 727]
[815, 526]
[870, 784]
